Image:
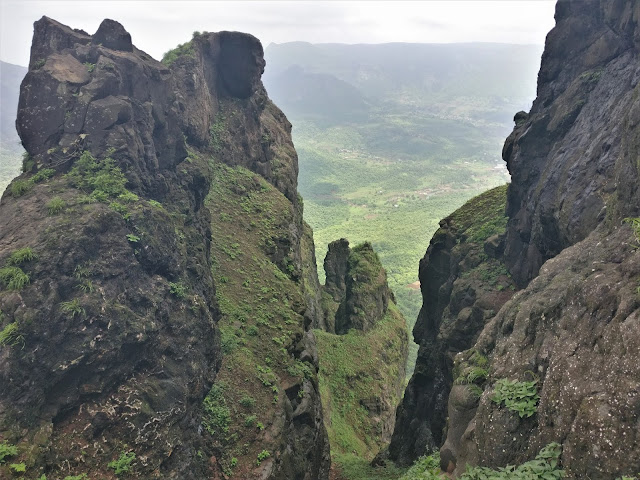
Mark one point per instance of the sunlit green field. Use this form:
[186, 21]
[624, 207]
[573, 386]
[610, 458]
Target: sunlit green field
[390, 182]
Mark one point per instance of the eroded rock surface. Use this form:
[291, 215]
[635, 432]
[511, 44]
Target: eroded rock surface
[462, 289]
[113, 342]
[574, 328]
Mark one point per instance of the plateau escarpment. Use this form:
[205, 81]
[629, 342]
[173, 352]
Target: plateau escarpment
[120, 298]
[557, 362]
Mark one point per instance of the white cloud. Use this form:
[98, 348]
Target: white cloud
[160, 25]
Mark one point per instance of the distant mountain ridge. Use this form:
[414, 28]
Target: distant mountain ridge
[499, 74]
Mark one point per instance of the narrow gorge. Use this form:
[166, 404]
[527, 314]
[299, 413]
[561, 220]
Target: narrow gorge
[161, 313]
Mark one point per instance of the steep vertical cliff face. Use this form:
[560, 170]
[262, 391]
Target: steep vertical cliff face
[573, 331]
[109, 342]
[356, 294]
[575, 328]
[464, 283]
[574, 158]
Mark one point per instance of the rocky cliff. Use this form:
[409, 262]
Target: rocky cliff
[362, 351]
[464, 283]
[557, 361]
[119, 302]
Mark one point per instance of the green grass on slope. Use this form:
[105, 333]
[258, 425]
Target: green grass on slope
[260, 322]
[354, 369]
[390, 182]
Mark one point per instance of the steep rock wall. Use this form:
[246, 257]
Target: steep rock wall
[110, 342]
[464, 283]
[574, 158]
[573, 329]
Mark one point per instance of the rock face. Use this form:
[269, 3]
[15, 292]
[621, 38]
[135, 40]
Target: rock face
[573, 160]
[575, 327]
[356, 290]
[109, 342]
[462, 288]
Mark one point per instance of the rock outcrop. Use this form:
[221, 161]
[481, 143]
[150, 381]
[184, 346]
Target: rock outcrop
[356, 293]
[573, 332]
[464, 283]
[363, 347]
[573, 158]
[109, 347]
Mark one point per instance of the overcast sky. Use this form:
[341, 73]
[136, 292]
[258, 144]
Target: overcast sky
[157, 26]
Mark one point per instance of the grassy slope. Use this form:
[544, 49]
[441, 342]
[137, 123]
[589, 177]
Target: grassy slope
[357, 367]
[260, 307]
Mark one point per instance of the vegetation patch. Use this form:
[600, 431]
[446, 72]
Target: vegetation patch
[7, 450]
[21, 186]
[471, 368]
[183, 49]
[217, 415]
[544, 467]
[100, 179]
[13, 278]
[346, 386]
[22, 255]
[425, 468]
[519, 397]
[352, 467]
[261, 322]
[55, 206]
[123, 463]
[9, 336]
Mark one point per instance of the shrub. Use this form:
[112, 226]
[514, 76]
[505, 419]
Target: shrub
[20, 187]
[247, 401]
[263, 455]
[43, 174]
[177, 289]
[634, 223]
[217, 416]
[543, 467]
[128, 197]
[101, 179]
[55, 206]
[27, 162]
[250, 420]
[73, 308]
[7, 450]
[10, 336]
[21, 256]
[519, 397]
[13, 278]
[18, 467]
[171, 56]
[123, 463]
[425, 468]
